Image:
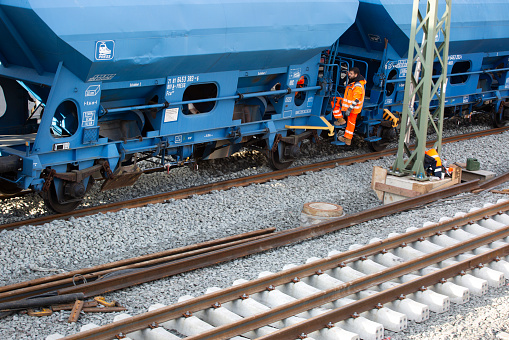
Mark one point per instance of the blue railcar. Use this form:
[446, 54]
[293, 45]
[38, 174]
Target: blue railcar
[478, 66]
[123, 80]
[88, 88]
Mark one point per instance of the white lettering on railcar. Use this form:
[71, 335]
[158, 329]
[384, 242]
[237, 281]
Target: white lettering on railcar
[295, 73]
[90, 103]
[375, 38]
[301, 112]
[102, 77]
[396, 64]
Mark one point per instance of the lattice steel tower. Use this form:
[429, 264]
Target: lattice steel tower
[421, 88]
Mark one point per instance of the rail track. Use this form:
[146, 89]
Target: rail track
[352, 295]
[41, 286]
[96, 281]
[105, 278]
[224, 185]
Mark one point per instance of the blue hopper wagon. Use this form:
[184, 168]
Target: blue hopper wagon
[89, 88]
[124, 81]
[478, 65]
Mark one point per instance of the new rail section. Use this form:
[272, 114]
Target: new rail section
[483, 227]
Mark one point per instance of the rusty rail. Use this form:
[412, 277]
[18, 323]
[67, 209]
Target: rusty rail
[231, 293]
[60, 281]
[194, 257]
[272, 241]
[224, 185]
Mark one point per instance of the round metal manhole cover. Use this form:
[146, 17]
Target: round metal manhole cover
[322, 209]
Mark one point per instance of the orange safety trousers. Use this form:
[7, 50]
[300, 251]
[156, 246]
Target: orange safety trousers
[336, 104]
[350, 124]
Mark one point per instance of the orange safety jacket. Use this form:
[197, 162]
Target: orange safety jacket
[354, 91]
[433, 153]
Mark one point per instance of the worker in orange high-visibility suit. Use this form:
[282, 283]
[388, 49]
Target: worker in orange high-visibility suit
[433, 163]
[351, 105]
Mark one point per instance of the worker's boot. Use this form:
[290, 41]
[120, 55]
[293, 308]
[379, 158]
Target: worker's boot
[345, 140]
[340, 121]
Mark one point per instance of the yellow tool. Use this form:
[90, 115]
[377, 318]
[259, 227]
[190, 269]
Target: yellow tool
[388, 115]
[101, 300]
[44, 312]
[308, 127]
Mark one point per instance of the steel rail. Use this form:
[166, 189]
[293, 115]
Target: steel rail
[388, 295]
[272, 241]
[238, 182]
[59, 281]
[62, 281]
[261, 284]
[193, 258]
[494, 182]
[352, 287]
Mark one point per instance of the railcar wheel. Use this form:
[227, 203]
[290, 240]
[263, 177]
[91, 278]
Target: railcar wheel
[380, 145]
[274, 159]
[377, 146]
[52, 204]
[499, 117]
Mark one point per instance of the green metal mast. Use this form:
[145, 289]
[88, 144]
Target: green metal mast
[420, 88]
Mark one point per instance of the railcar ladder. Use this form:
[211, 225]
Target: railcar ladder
[328, 75]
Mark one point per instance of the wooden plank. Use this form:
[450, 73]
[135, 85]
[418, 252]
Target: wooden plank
[445, 183]
[379, 176]
[456, 173]
[397, 191]
[76, 310]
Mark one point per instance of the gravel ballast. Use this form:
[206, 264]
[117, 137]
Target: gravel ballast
[35, 251]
